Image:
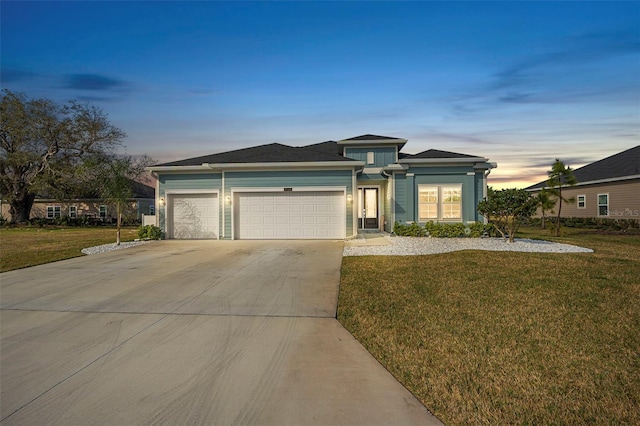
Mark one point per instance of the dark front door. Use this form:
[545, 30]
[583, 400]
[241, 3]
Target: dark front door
[368, 208]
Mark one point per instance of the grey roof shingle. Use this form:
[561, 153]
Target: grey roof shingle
[620, 165]
[369, 138]
[269, 153]
[436, 153]
[329, 147]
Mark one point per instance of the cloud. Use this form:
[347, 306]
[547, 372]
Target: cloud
[94, 82]
[12, 75]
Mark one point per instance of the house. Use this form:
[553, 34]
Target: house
[96, 209]
[608, 188]
[327, 190]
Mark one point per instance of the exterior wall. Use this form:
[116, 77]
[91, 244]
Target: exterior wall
[400, 197]
[282, 179]
[383, 155]
[624, 200]
[407, 190]
[388, 200]
[184, 182]
[133, 210]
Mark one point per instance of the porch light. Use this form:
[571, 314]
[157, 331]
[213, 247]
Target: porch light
[161, 201]
[349, 198]
[227, 200]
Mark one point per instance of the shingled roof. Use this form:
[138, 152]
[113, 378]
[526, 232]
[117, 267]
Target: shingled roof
[616, 167]
[269, 153]
[435, 153]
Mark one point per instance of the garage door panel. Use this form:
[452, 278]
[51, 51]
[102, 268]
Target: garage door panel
[294, 215]
[194, 216]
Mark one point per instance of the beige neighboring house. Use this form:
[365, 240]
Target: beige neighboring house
[142, 203]
[608, 188]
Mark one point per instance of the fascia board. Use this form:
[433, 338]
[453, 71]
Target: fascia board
[374, 142]
[443, 161]
[260, 166]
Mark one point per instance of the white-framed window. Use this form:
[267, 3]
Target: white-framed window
[73, 212]
[103, 212]
[582, 201]
[603, 204]
[53, 212]
[442, 202]
[371, 157]
[152, 209]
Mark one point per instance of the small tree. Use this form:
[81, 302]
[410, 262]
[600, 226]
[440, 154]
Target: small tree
[546, 204]
[118, 175]
[560, 176]
[507, 209]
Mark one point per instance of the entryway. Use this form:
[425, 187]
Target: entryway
[368, 207]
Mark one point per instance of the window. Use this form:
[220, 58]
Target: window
[439, 202]
[152, 209]
[603, 204]
[53, 212]
[371, 158]
[73, 212]
[582, 201]
[103, 212]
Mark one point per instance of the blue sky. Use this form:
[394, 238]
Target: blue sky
[522, 83]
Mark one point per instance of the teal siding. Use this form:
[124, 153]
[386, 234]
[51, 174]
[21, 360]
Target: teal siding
[400, 200]
[383, 156]
[200, 181]
[479, 191]
[281, 179]
[388, 225]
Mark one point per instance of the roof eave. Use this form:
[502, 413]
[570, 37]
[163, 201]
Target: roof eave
[444, 161]
[590, 182]
[239, 166]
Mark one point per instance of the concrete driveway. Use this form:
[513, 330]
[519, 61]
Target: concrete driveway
[190, 332]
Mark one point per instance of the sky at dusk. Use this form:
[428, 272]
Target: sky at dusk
[521, 83]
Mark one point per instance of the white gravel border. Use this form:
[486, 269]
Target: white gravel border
[110, 247]
[410, 246]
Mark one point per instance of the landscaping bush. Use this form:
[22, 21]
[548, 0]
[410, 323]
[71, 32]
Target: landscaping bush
[443, 230]
[149, 232]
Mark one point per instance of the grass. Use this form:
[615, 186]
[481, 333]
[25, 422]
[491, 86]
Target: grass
[21, 247]
[507, 338]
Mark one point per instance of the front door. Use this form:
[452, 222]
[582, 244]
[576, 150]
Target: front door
[368, 208]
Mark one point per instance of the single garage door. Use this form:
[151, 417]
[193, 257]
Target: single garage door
[193, 216]
[290, 215]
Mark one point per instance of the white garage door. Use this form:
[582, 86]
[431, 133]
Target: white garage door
[290, 215]
[193, 216]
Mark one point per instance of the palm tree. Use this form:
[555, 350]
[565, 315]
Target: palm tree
[545, 204]
[559, 177]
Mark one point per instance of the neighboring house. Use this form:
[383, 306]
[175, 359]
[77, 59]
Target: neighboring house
[609, 188]
[142, 203]
[327, 190]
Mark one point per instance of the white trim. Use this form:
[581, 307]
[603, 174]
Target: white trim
[190, 191]
[293, 165]
[75, 212]
[584, 201]
[375, 142]
[240, 190]
[445, 161]
[439, 203]
[157, 204]
[371, 157]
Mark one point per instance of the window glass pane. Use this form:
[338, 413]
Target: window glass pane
[428, 211]
[602, 211]
[451, 211]
[429, 195]
[451, 195]
[603, 199]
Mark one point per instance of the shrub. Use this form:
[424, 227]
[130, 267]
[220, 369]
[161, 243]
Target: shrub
[409, 230]
[149, 232]
[445, 230]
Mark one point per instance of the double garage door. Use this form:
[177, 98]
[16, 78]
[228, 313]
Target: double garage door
[289, 215]
[260, 215]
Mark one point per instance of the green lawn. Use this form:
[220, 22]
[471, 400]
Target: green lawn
[21, 247]
[507, 338]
